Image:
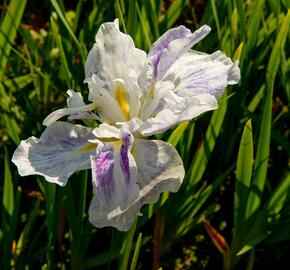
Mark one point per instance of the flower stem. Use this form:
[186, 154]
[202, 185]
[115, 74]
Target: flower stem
[127, 249]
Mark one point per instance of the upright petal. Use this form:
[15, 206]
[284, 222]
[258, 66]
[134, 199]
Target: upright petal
[114, 57]
[160, 169]
[172, 45]
[61, 150]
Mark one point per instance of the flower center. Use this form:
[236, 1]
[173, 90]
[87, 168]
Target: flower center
[122, 98]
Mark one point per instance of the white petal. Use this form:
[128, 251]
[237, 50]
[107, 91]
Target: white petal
[176, 111]
[152, 99]
[54, 116]
[108, 107]
[198, 73]
[130, 126]
[75, 99]
[160, 169]
[61, 150]
[172, 45]
[106, 131]
[112, 57]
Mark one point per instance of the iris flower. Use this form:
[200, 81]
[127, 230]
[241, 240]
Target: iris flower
[133, 95]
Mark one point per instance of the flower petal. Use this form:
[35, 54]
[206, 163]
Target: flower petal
[106, 131]
[175, 110]
[76, 108]
[198, 73]
[114, 174]
[61, 150]
[160, 169]
[172, 45]
[113, 57]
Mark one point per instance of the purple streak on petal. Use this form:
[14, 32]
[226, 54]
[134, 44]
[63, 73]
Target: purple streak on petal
[161, 44]
[124, 160]
[104, 169]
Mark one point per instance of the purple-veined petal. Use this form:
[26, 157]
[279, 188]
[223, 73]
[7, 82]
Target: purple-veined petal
[172, 45]
[114, 174]
[198, 73]
[61, 150]
[160, 169]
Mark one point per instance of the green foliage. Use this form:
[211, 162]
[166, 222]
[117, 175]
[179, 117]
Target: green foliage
[46, 227]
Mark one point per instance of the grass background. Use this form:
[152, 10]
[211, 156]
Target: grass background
[236, 158]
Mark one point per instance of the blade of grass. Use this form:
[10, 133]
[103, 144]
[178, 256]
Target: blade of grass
[125, 253]
[136, 252]
[8, 30]
[64, 63]
[242, 185]
[82, 49]
[8, 189]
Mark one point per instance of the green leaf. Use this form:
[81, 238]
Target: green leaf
[177, 134]
[8, 189]
[278, 198]
[136, 252]
[64, 62]
[252, 244]
[263, 151]
[242, 185]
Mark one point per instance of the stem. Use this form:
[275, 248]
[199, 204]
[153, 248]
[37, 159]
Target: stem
[127, 249]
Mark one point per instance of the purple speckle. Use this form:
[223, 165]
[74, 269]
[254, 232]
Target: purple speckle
[104, 172]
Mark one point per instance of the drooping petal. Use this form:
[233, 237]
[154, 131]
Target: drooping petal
[172, 45]
[160, 169]
[115, 178]
[77, 109]
[114, 57]
[61, 150]
[198, 73]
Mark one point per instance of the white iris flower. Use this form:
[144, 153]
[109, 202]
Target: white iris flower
[134, 96]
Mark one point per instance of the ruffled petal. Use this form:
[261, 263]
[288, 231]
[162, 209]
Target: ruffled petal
[61, 150]
[114, 56]
[198, 73]
[160, 169]
[172, 45]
